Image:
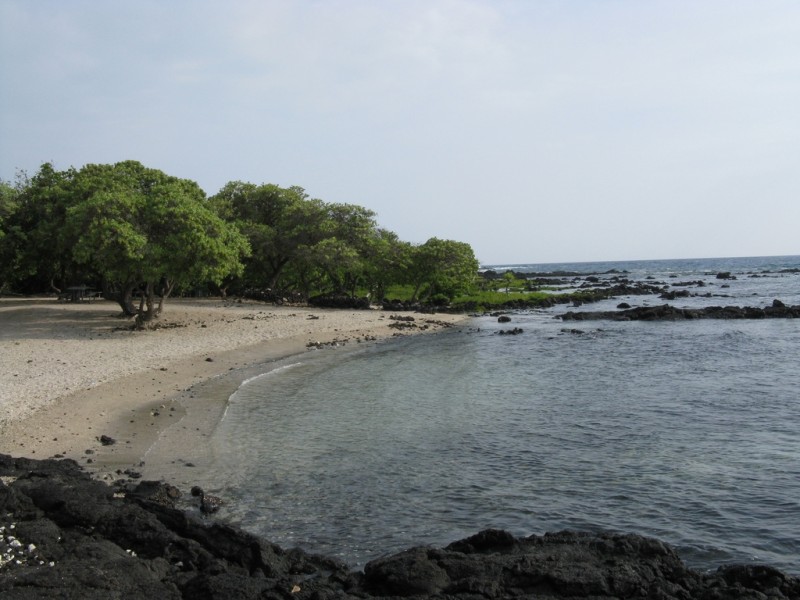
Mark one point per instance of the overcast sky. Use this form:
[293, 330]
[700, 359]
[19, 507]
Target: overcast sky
[537, 131]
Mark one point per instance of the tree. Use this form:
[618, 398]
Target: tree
[510, 281]
[349, 234]
[38, 248]
[387, 262]
[141, 227]
[10, 244]
[8, 204]
[442, 267]
[126, 227]
[281, 224]
[340, 263]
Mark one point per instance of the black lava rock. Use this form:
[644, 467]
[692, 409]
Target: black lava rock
[74, 537]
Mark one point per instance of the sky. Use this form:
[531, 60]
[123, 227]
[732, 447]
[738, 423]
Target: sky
[537, 131]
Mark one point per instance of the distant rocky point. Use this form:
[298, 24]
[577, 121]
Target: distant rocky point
[666, 312]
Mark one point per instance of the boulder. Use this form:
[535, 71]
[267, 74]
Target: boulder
[515, 331]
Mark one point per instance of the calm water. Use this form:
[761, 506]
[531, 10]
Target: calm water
[687, 431]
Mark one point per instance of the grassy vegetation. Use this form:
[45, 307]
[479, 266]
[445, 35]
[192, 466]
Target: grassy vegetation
[490, 299]
[487, 297]
[481, 299]
[400, 292]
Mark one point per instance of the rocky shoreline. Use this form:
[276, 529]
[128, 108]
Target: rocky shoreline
[666, 312]
[65, 535]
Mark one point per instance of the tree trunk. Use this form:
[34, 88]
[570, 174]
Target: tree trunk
[416, 291]
[277, 268]
[125, 300]
[166, 289]
[123, 296]
[147, 308]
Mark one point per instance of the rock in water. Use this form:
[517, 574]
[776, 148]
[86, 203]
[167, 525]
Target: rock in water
[208, 504]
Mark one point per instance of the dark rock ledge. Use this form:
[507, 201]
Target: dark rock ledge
[67, 536]
[665, 312]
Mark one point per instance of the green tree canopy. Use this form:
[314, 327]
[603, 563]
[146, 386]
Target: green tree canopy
[37, 239]
[281, 224]
[387, 262]
[10, 242]
[139, 226]
[349, 233]
[8, 204]
[126, 227]
[442, 267]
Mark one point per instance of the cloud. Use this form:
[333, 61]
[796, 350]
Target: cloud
[573, 114]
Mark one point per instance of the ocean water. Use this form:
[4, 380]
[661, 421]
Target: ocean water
[686, 431]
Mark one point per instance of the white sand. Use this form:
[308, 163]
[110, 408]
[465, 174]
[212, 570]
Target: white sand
[71, 372]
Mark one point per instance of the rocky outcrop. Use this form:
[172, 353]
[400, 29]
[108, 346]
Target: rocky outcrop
[79, 538]
[339, 301]
[515, 331]
[64, 535]
[673, 294]
[494, 564]
[666, 312]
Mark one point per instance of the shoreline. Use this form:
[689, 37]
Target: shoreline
[68, 536]
[71, 373]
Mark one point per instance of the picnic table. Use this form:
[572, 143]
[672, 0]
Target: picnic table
[78, 293]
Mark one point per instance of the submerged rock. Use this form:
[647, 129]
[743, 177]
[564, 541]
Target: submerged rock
[82, 539]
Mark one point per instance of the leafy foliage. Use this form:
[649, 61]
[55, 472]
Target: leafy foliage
[443, 267]
[280, 224]
[9, 234]
[127, 227]
[139, 226]
[306, 244]
[37, 246]
[124, 224]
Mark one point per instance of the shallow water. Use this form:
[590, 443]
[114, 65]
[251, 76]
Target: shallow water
[687, 431]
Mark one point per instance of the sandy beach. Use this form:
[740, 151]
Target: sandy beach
[73, 373]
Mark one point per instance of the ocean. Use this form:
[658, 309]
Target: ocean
[688, 431]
